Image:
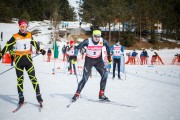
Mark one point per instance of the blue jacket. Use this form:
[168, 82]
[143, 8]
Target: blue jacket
[134, 53]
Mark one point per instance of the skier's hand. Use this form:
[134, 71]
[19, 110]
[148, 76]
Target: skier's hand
[43, 52]
[109, 58]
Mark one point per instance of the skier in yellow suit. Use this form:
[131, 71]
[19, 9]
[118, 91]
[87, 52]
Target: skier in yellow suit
[23, 40]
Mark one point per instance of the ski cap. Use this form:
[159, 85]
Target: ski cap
[23, 22]
[71, 42]
[97, 32]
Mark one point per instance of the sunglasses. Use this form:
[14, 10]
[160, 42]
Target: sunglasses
[23, 26]
[97, 36]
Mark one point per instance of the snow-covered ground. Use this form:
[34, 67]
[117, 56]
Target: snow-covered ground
[146, 92]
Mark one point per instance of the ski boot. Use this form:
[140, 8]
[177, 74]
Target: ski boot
[21, 100]
[102, 97]
[75, 97]
[119, 77]
[39, 99]
[70, 71]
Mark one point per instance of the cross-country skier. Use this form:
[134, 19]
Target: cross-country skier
[23, 40]
[71, 57]
[93, 57]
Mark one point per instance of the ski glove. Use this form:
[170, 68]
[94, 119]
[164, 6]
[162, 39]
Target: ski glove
[109, 59]
[43, 52]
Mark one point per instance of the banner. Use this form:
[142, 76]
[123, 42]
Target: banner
[56, 52]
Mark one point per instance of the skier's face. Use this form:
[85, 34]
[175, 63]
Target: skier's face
[96, 38]
[23, 28]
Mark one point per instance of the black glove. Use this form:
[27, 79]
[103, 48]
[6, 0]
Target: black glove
[109, 58]
[43, 52]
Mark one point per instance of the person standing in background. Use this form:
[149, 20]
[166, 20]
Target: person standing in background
[49, 53]
[117, 50]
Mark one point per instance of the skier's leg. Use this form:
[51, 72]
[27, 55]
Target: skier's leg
[31, 72]
[70, 66]
[114, 67]
[119, 63]
[20, 79]
[104, 75]
[86, 74]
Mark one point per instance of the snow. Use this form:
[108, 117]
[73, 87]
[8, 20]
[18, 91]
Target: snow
[154, 91]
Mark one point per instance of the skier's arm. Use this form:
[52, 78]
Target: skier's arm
[37, 47]
[9, 45]
[80, 46]
[83, 44]
[34, 43]
[105, 43]
[111, 49]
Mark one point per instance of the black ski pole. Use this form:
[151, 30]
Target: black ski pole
[13, 66]
[6, 70]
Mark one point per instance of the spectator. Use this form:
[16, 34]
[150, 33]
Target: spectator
[49, 55]
[145, 56]
[64, 52]
[156, 58]
[117, 50]
[134, 54]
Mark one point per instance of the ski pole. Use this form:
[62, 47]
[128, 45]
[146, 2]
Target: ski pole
[13, 66]
[6, 70]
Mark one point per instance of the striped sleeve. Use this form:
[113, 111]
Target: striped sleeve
[8, 45]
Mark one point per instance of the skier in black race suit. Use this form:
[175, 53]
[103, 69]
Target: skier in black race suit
[93, 57]
[23, 40]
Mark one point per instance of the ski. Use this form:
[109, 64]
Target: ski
[70, 103]
[115, 103]
[110, 102]
[19, 107]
